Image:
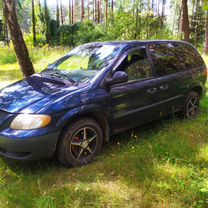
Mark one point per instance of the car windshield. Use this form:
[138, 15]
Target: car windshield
[84, 63]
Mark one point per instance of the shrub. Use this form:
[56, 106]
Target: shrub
[40, 39]
[80, 33]
[7, 56]
[67, 34]
[54, 33]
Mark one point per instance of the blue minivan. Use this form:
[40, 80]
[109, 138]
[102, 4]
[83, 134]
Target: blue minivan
[94, 91]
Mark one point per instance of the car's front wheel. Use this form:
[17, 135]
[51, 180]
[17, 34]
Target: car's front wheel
[80, 143]
[191, 106]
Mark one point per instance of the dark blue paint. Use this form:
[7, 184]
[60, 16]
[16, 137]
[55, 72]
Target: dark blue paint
[122, 105]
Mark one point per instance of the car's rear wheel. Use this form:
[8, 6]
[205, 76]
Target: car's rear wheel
[191, 106]
[80, 143]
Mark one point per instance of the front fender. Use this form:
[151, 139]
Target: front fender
[81, 111]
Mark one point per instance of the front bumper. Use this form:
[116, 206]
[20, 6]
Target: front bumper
[32, 148]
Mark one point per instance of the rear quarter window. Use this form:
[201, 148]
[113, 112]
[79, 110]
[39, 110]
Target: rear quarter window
[190, 56]
[170, 58]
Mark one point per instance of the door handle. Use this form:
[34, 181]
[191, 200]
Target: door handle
[164, 87]
[152, 90]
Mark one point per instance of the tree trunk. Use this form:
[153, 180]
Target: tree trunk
[82, 15]
[17, 38]
[57, 13]
[179, 21]
[185, 20]
[136, 21]
[39, 5]
[112, 6]
[88, 9]
[206, 36]
[95, 10]
[153, 5]
[72, 11]
[163, 14]
[47, 19]
[174, 16]
[76, 12]
[6, 32]
[134, 12]
[158, 10]
[33, 23]
[98, 5]
[62, 15]
[7, 41]
[106, 13]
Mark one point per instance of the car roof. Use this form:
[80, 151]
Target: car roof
[132, 43]
[136, 42]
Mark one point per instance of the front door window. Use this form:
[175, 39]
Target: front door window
[136, 65]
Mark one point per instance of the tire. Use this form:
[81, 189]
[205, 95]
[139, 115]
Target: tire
[190, 108]
[80, 143]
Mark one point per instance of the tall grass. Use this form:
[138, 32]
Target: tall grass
[7, 56]
[47, 54]
[41, 57]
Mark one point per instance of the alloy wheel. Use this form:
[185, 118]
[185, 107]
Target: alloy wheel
[83, 143]
[192, 107]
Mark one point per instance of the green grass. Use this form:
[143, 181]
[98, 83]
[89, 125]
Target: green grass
[162, 164]
[41, 57]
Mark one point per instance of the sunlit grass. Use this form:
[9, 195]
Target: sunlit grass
[146, 167]
[163, 164]
[41, 57]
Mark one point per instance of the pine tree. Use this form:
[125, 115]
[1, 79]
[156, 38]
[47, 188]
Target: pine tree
[185, 20]
[33, 23]
[83, 11]
[57, 13]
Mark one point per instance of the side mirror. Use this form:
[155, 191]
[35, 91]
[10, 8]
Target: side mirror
[118, 77]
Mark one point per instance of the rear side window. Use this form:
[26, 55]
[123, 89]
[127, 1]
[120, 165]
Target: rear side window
[191, 57]
[170, 58]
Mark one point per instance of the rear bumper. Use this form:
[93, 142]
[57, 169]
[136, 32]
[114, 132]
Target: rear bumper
[33, 148]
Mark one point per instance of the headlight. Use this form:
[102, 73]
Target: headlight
[29, 121]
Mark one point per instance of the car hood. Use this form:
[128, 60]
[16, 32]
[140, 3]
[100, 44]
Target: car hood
[18, 96]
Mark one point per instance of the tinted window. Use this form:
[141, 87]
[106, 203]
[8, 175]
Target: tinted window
[136, 65]
[191, 57]
[169, 58]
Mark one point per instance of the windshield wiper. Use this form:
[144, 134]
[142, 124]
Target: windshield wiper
[60, 77]
[56, 77]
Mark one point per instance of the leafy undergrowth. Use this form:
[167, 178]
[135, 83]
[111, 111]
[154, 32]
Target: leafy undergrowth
[159, 165]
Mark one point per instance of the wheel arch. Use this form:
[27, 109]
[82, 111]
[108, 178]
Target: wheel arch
[96, 114]
[198, 89]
